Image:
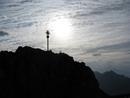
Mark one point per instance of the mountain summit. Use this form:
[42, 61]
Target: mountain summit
[34, 73]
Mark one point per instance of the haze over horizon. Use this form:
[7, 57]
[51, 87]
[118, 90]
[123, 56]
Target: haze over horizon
[94, 31]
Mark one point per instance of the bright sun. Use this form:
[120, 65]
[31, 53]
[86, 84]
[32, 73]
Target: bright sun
[61, 28]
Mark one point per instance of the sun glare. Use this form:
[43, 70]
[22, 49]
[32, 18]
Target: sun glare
[61, 28]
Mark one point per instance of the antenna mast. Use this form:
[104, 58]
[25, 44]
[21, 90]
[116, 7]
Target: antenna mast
[47, 33]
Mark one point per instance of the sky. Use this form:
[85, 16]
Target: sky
[96, 32]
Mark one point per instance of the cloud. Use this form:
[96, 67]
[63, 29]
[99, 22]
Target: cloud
[13, 5]
[109, 48]
[25, 1]
[116, 6]
[97, 54]
[3, 33]
[102, 8]
[26, 24]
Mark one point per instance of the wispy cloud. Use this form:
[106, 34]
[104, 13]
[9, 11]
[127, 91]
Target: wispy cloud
[3, 33]
[25, 1]
[109, 48]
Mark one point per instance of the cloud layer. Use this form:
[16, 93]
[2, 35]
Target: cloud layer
[101, 29]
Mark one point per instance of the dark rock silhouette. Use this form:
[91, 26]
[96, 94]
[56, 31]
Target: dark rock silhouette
[34, 73]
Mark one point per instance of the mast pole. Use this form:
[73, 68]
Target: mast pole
[47, 39]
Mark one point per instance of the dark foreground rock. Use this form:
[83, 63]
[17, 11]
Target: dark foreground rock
[34, 73]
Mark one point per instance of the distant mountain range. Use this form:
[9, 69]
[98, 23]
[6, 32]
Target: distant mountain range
[113, 83]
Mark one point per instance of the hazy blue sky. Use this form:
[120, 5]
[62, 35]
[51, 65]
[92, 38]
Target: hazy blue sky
[94, 31]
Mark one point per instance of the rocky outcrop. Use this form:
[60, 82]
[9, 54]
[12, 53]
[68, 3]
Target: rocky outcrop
[34, 73]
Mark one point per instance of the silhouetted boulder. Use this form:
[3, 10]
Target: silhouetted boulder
[34, 73]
